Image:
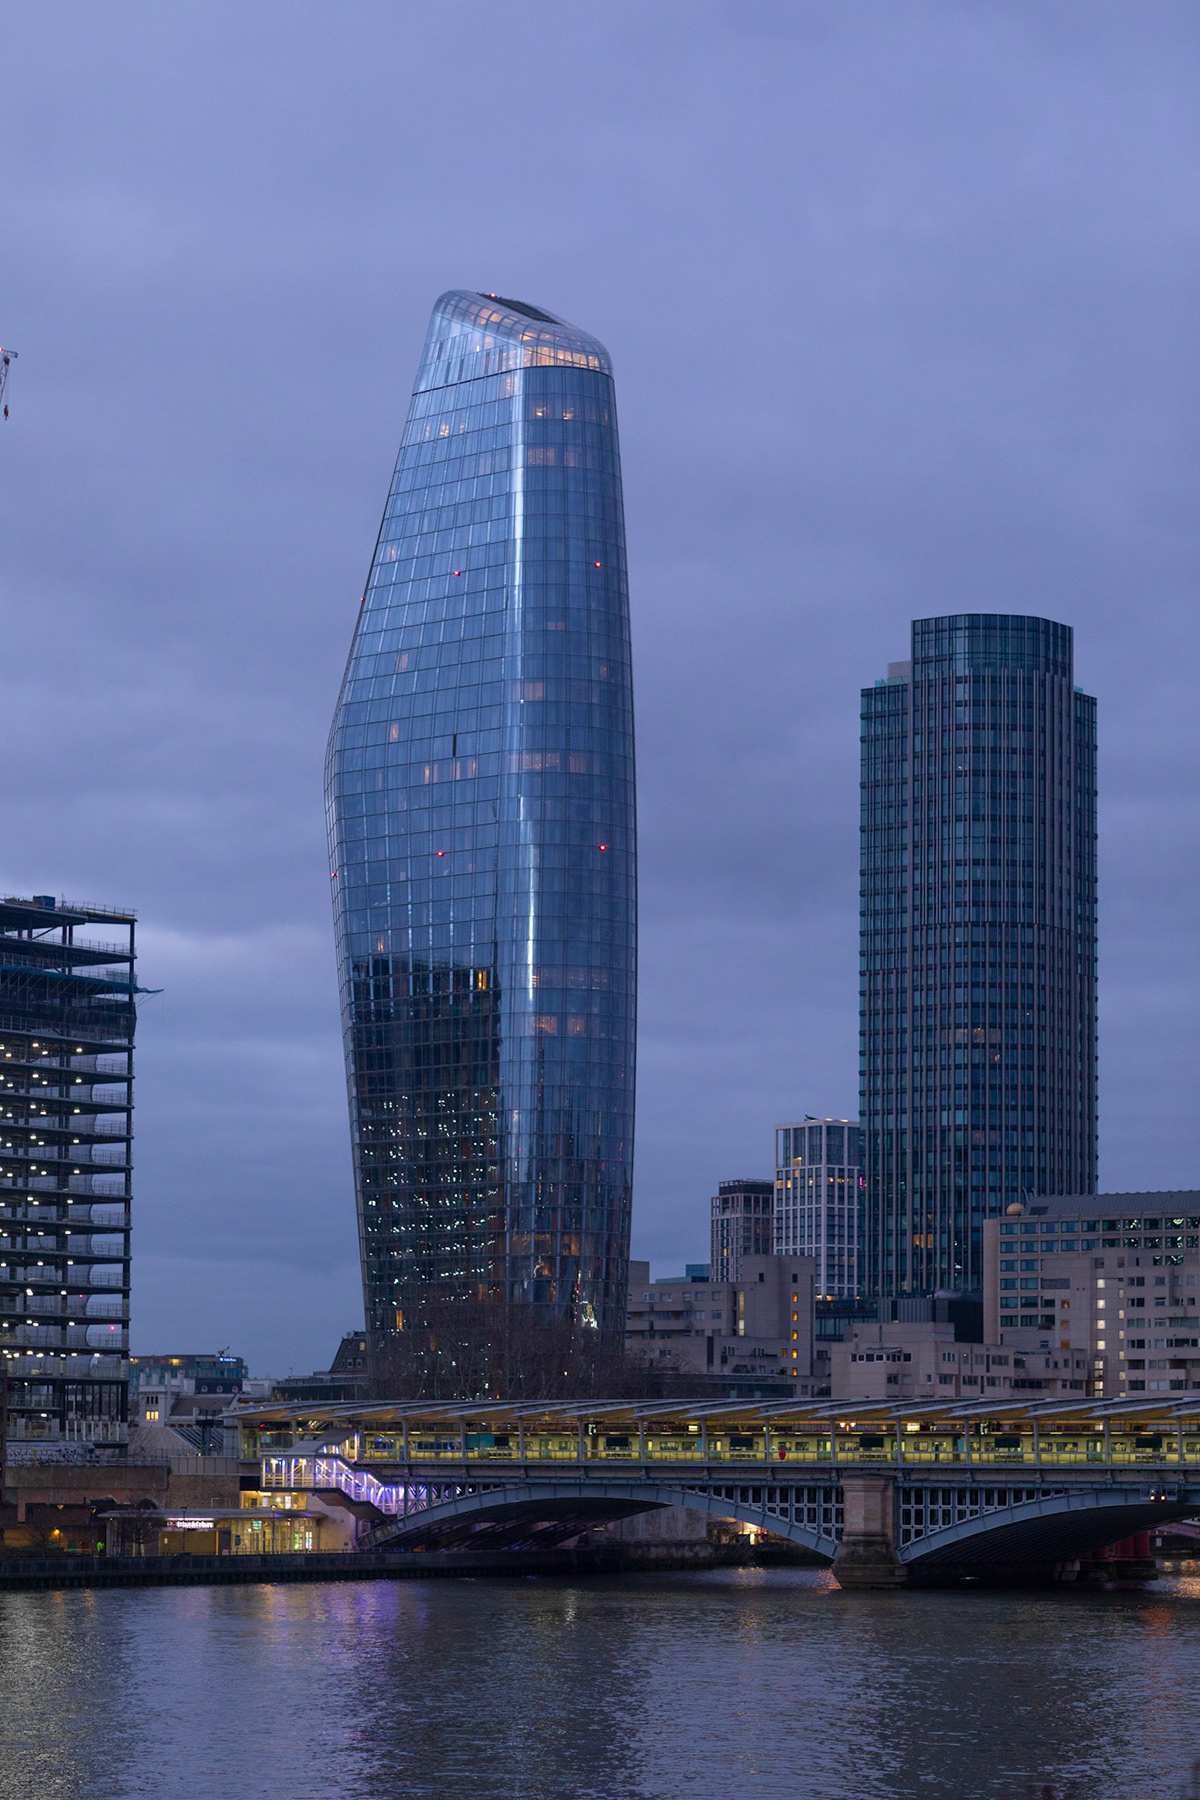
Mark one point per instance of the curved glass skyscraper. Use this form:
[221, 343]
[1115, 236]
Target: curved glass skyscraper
[480, 792]
[978, 978]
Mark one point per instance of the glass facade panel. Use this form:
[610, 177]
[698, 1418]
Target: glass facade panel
[978, 941]
[480, 790]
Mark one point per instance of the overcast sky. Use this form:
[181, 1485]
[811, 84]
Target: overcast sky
[901, 296]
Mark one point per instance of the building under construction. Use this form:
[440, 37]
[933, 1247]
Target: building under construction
[67, 1012]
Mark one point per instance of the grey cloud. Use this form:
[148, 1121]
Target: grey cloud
[902, 302]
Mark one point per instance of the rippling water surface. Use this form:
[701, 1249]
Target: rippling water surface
[734, 1685]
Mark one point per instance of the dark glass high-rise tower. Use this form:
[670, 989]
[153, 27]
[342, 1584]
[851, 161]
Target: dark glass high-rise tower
[480, 789]
[978, 941]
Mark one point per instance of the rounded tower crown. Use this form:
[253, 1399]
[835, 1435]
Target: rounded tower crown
[482, 334]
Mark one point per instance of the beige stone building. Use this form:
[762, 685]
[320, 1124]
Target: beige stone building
[760, 1326]
[917, 1362]
[1098, 1292]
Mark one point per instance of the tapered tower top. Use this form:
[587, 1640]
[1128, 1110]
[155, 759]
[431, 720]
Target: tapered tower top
[482, 334]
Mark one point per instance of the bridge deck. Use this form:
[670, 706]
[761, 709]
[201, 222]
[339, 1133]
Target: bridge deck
[1149, 1434]
[958, 1484]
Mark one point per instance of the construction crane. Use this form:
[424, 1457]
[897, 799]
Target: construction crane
[6, 357]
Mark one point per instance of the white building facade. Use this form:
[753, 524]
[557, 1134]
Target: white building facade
[819, 1201]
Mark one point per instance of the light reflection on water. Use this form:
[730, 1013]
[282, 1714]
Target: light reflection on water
[739, 1683]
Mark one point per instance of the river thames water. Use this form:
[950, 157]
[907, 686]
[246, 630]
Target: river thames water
[730, 1685]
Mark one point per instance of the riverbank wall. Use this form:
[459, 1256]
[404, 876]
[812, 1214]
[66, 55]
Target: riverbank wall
[27, 1572]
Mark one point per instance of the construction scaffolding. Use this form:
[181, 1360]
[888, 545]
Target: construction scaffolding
[67, 1018]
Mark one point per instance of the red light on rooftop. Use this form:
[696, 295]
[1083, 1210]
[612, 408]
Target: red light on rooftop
[597, 565]
[604, 846]
[441, 853]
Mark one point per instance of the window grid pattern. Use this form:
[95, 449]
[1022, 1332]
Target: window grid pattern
[741, 1225]
[480, 785]
[818, 1201]
[978, 942]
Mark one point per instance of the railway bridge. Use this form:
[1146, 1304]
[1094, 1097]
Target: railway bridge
[887, 1492]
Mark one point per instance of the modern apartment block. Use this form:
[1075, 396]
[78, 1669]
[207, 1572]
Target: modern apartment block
[1100, 1287]
[757, 1328]
[978, 941]
[67, 1017]
[818, 1201]
[480, 787]
[741, 1225]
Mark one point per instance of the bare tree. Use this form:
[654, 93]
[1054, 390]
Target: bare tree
[136, 1526]
[42, 1525]
[483, 1349]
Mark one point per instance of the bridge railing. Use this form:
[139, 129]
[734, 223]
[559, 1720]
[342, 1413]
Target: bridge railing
[314, 1473]
[291, 1473]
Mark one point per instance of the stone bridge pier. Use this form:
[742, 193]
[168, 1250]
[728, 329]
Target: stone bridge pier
[896, 1532]
[867, 1555]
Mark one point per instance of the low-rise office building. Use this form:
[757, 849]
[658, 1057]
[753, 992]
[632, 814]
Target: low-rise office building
[759, 1327]
[348, 1377]
[1085, 1295]
[275, 1524]
[919, 1361]
[1099, 1291]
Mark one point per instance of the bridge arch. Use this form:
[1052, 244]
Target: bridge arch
[554, 1508]
[1057, 1525]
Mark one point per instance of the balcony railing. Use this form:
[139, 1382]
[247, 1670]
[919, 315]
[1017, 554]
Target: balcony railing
[48, 1274]
[98, 1156]
[112, 1339]
[113, 1214]
[39, 1365]
[64, 1306]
